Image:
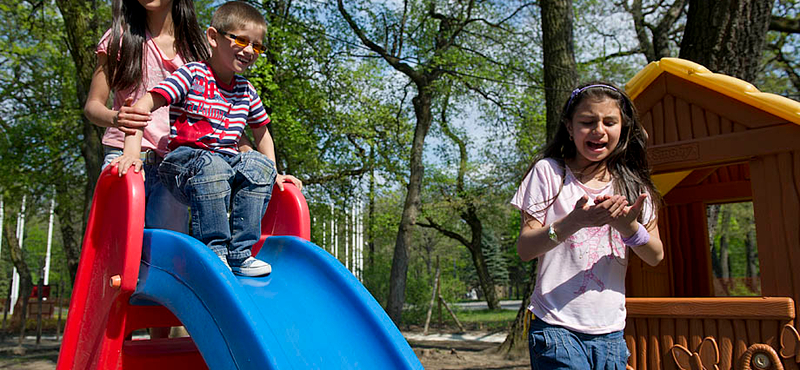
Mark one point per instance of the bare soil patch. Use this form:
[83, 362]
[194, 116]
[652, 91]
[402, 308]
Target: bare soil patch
[463, 355]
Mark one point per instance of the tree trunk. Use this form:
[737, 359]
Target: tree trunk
[516, 343]
[485, 278]
[397, 278]
[25, 279]
[724, 261]
[712, 219]
[479, 260]
[68, 217]
[82, 26]
[560, 70]
[751, 258]
[716, 267]
[724, 257]
[727, 36]
[658, 47]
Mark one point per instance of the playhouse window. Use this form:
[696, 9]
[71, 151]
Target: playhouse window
[734, 250]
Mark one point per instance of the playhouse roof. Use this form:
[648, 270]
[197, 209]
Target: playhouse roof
[672, 125]
[730, 86]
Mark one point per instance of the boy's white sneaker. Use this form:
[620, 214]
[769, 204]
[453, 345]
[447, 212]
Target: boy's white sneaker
[252, 267]
[224, 260]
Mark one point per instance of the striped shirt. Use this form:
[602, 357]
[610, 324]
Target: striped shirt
[207, 114]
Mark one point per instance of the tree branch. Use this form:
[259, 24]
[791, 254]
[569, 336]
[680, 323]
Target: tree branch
[613, 55]
[450, 234]
[339, 175]
[787, 64]
[782, 24]
[462, 146]
[395, 62]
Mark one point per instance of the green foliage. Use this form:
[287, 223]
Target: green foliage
[418, 297]
[39, 129]
[375, 277]
[736, 230]
[495, 259]
[780, 70]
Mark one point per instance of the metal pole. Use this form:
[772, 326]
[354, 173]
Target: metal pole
[334, 241]
[49, 240]
[360, 239]
[2, 212]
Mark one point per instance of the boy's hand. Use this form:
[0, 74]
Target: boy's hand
[129, 118]
[124, 162]
[280, 179]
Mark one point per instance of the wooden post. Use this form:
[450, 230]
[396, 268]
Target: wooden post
[452, 314]
[39, 295]
[433, 298]
[58, 306]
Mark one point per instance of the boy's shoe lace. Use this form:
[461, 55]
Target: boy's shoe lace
[252, 267]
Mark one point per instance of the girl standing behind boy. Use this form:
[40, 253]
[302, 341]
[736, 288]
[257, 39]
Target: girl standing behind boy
[149, 40]
[585, 204]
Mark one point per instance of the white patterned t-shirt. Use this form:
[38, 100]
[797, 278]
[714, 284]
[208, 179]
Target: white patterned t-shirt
[580, 284]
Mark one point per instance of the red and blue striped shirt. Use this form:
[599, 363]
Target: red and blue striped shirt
[208, 114]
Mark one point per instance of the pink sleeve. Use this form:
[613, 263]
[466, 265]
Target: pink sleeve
[102, 46]
[537, 191]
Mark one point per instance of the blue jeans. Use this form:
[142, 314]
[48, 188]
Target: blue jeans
[213, 184]
[554, 347]
[162, 210]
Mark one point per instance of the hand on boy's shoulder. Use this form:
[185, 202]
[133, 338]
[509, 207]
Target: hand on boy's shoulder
[280, 179]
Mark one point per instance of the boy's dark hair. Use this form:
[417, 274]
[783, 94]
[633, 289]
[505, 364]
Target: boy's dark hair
[627, 162]
[237, 15]
[128, 34]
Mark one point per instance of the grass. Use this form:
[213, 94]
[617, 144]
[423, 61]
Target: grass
[487, 320]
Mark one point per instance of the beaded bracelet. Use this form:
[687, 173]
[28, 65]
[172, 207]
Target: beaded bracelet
[641, 237]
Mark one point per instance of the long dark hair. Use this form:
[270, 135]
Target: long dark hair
[627, 163]
[128, 35]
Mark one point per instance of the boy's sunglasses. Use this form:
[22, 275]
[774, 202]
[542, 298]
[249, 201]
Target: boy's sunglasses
[244, 41]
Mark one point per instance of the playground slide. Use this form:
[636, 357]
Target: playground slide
[310, 313]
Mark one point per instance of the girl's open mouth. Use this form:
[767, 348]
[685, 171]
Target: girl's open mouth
[595, 145]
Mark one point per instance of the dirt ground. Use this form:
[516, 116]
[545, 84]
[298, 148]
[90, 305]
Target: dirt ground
[463, 355]
[434, 355]
[29, 356]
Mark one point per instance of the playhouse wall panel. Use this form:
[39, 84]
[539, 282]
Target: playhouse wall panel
[734, 323]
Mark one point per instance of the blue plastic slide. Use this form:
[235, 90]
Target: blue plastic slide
[310, 313]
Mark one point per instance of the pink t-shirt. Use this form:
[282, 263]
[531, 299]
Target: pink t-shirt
[581, 282]
[157, 67]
